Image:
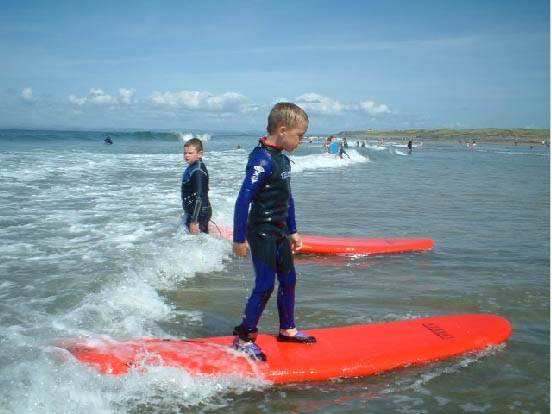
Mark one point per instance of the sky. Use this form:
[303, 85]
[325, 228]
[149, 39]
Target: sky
[216, 65]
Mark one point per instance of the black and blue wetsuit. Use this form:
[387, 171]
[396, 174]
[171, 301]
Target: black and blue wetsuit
[267, 227]
[195, 198]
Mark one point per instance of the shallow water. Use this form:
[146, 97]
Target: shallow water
[92, 244]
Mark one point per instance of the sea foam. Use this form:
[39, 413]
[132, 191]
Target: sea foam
[301, 163]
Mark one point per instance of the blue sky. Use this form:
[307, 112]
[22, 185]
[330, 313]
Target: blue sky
[221, 65]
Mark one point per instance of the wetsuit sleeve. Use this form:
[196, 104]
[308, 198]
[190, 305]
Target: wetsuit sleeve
[198, 184]
[182, 192]
[292, 226]
[258, 169]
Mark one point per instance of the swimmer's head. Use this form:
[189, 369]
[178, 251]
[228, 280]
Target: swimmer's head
[286, 114]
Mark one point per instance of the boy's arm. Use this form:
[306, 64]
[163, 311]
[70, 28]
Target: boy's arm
[182, 195]
[292, 226]
[257, 171]
[296, 241]
[198, 178]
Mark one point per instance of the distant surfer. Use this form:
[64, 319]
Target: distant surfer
[342, 151]
[270, 228]
[410, 146]
[195, 188]
[327, 144]
[108, 140]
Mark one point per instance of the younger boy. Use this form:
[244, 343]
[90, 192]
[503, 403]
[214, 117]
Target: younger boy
[270, 228]
[195, 188]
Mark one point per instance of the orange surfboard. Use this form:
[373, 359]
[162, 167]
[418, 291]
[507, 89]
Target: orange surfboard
[349, 245]
[349, 351]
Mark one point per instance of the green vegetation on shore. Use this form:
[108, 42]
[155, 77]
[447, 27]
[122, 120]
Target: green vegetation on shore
[490, 135]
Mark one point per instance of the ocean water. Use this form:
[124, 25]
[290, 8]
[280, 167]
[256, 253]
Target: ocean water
[92, 244]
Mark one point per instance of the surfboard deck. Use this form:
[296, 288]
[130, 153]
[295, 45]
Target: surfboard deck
[340, 352]
[349, 245]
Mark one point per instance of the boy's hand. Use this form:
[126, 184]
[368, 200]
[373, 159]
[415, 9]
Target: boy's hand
[194, 228]
[240, 249]
[296, 242]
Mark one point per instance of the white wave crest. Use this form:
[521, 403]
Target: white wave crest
[187, 136]
[319, 161]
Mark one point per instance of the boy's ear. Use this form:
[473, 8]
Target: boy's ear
[282, 129]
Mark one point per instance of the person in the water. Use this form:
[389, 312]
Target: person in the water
[108, 140]
[342, 151]
[195, 188]
[270, 228]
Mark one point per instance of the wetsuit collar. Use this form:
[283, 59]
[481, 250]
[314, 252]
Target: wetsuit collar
[267, 144]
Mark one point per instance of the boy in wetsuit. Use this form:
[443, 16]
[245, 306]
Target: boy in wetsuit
[270, 228]
[195, 188]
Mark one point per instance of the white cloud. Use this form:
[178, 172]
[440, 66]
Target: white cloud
[313, 102]
[316, 103]
[248, 108]
[374, 109]
[77, 101]
[99, 97]
[27, 94]
[226, 100]
[184, 99]
[201, 100]
[169, 104]
[223, 107]
[281, 100]
[95, 96]
[126, 96]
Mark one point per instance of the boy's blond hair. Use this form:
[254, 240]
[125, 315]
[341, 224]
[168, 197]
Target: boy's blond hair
[196, 143]
[285, 114]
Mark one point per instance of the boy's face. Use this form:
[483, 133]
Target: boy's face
[191, 155]
[291, 138]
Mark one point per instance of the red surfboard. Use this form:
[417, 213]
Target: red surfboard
[349, 245]
[349, 351]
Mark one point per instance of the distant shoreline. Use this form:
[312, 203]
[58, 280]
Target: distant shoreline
[495, 136]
